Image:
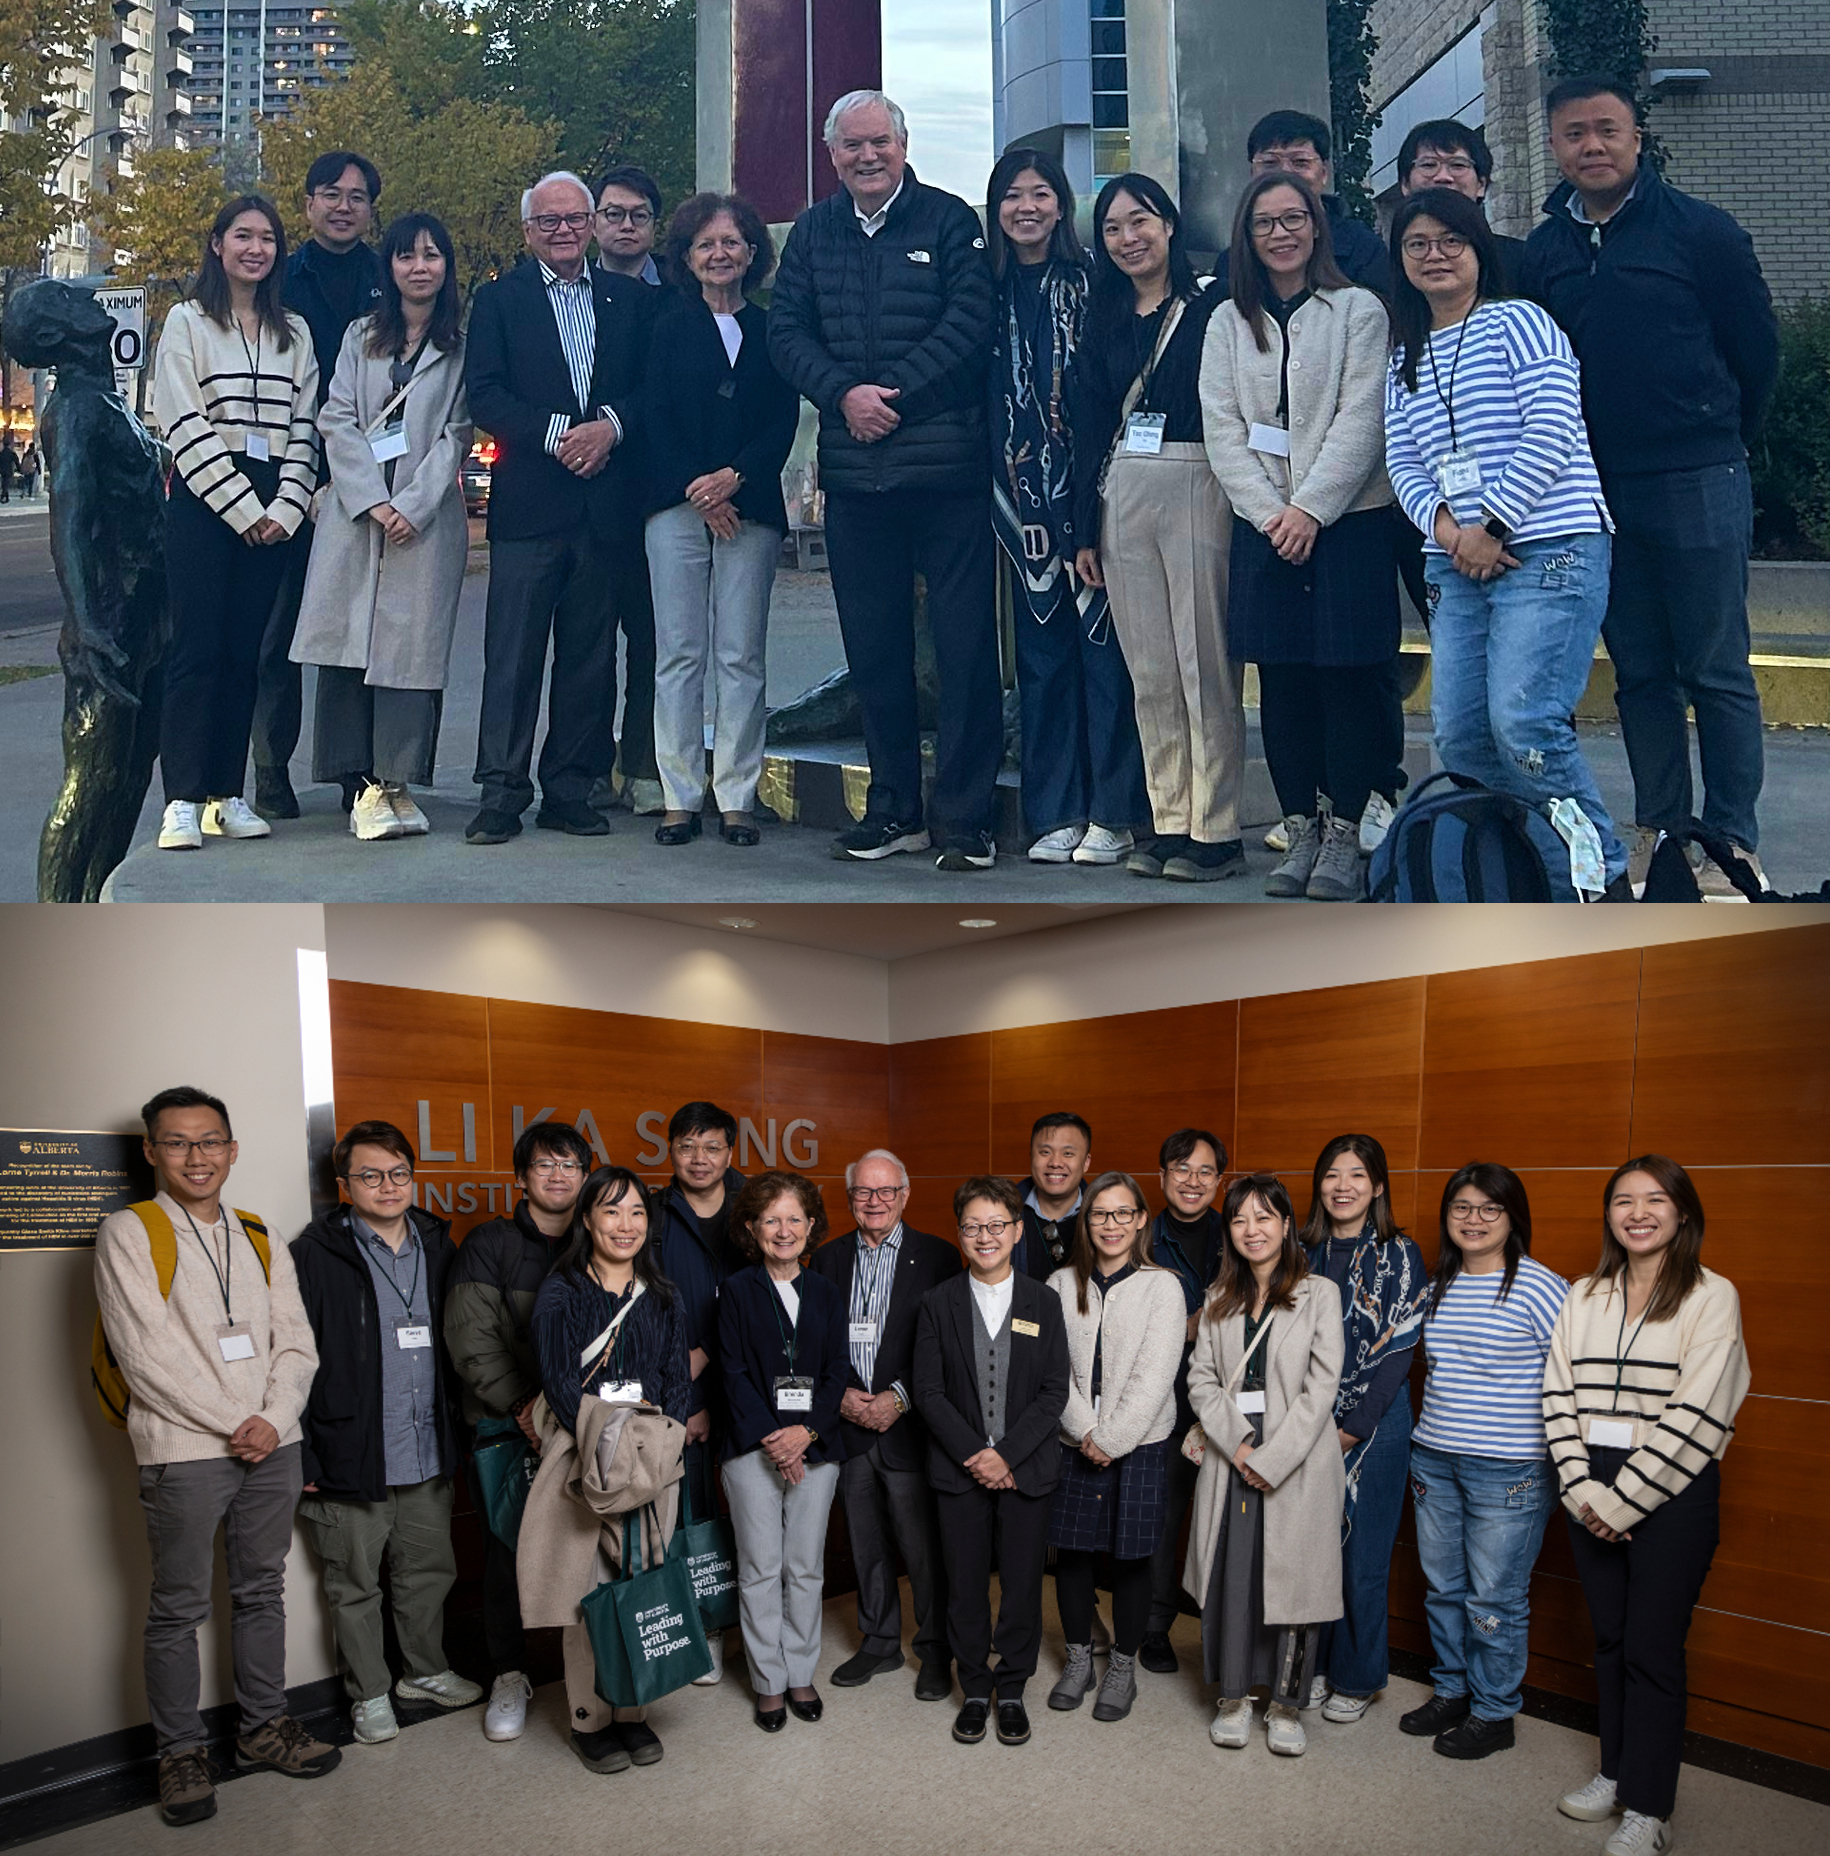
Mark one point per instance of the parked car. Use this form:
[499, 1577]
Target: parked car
[475, 476]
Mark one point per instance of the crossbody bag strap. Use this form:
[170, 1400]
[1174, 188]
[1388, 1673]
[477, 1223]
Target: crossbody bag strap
[1258, 1340]
[607, 1339]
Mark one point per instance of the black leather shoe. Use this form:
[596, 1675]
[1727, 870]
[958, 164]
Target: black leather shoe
[1157, 1653]
[643, 1742]
[741, 832]
[1013, 1723]
[1475, 1739]
[602, 1751]
[935, 1683]
[492, 827]
[682, 833]
[1438, 1714]
[273, 794]
[969, 1723]
[771, 1720]
[855, 1671]
[571, 816]
[807, 1710]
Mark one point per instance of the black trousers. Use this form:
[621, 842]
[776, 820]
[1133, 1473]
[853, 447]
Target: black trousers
[222, 591]
[632, 608]
[278, 687]
[980, 1528]
[1166, 1562]
[1130, 1598]
[1328, 728]
[890, 1512]
[876, 545]
[1641, 1594]
[554, 587]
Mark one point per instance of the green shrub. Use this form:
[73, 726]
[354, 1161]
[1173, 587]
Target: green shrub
[1791, 459]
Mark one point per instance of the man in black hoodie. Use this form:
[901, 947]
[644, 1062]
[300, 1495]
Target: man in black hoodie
[1663, 301]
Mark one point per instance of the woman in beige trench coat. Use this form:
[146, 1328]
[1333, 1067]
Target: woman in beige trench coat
[387, 560]
[1264, 1547]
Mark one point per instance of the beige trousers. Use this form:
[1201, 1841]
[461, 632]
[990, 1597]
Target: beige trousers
[1163, 545]
[589, 1711]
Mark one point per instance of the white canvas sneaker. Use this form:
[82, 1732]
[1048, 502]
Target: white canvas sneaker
[1591, 1803]
[1375, 822]
[178, 829]
[1056, 847]
[413, 822]
[1344, 1710]
[1318, 1693]
[372, 817]
[1101, 846]
[1640, 1835]
[506, 1714]
[234, 818]
[373, 1720]
[714, 1641]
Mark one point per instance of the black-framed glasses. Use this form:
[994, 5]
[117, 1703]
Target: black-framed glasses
[176, 1147]
[882, 1195]
[336, 196]
[1123, 1215]
[551, 222]
[1468, 1211]
[369, 1178]
[1292, 221]
[637, 216]
[1419, 245]
[992, 1227]
[555, 1169]
[1193, 1175]
[1442, 164]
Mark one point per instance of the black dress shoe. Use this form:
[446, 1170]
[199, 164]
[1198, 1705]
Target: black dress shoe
[1437, 1714]
[643, 1742]
[273, 794]
[855, 1671]
[771, 1720]
[807, 1710]
[935, 1683]
[602, 1751]
[1475, 1739]
[1157, 1653]
[969, 1723]
[741, 833]
[1013, 1723]
[571, 816]
[682, 833]
[492, 827]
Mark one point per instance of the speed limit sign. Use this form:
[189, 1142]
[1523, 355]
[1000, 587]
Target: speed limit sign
[128, 308]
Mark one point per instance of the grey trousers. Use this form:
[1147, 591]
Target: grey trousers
[711, 612]
[887, 1512]
[358, 728]
[185, 1503]
[781, 1566]
[412, 1527]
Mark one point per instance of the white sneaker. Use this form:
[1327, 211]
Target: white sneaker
[1640, 1835]
[1375, 822]
[646, 797]
[1101, 846]
[373, 1720]
[1318, 1692]
[1283, 1730]
[178, 830]
[413, 822]
[1232, 1724]
[1592, 1803]
[506, 1714]
[1277, 838]
[372, 817]
[447, 1689]
[1344, 1710]
[1058, 846]
[714, 1641]
[234, 818]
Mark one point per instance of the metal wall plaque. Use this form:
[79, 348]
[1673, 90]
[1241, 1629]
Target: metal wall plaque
[57, 1185]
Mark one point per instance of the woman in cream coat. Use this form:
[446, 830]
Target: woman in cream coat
[388, 557]
[1125, 1322]
[1264, 1548]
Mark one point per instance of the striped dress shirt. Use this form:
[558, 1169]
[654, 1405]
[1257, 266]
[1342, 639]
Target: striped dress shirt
[575, 313]
[873, 1279]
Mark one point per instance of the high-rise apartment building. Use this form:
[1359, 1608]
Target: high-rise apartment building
[256, 60]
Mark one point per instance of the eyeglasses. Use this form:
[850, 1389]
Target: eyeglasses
[1442, 164]
[555, 1169]
[335, 196]
[701, 1150]
[551, 222]
[864, 1195]
[176, 1147]
[1467, 1210]
[370, 1179]
[1293, 221]
[1126, 1214]
[1450, 244]
[1198, 1175]
[637, 216]
[1286, 161]
[993, 1227]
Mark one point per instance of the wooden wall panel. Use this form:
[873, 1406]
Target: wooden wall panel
[940, 1105]
[1532, 1064]
[839, 1083]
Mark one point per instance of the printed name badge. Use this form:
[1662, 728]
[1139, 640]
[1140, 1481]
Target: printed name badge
[409, 1338]
[621, 1391]
[864, 1330]
[1251, 1403]
[389, 444]
[1272, 440]
[257, 447]
[1611, 1433]
[1459, 474]
[793, 1394]
[1144, 433]
[235, 1342]
[1026, 1327]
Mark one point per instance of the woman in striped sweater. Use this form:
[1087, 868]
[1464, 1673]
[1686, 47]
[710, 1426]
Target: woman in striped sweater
[1488, 454]
[235, 396]
[1645, 1375]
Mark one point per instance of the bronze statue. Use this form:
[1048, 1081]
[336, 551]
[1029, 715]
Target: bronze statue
[107, 489]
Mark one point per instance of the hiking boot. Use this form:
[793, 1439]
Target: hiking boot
[1303, 845]
[178, 829]
[1118, 1691]
[447, 1689]
[1076, 1679]
[187, 1790]
[874, 838]
[506, 1716]
[233, 817]
[1232, 1723]
[1057, 847]
[1157, 1653]
[286, 1746]
[1101, 846]
[1375, 822]
[1206, 863]
[373, 1720]
[372, 817]
[1339, 875]
[1283, 1730]
[1593, 1803]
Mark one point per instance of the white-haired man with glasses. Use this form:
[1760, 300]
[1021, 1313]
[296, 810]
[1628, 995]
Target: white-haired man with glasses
[884, 1267]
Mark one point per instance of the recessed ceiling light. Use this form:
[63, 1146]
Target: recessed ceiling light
[736, 921]
[977, 921]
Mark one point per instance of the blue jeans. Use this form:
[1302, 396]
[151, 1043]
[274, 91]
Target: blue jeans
[1480, 1522]
[1509, 661]
[1677, 632]
[1355, 1653]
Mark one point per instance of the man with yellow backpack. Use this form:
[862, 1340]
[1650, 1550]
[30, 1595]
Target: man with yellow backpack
[204, 1353]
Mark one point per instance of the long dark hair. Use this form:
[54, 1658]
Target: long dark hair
[1234, 1288]
[1504, 1187]
[1371, 1156]
[691, 217]
[210, 292]
[1682, 1268]
[1064, 245]
[388, 325]
[1081, 1256]
[1246, 275]
[611, 1185]
[1112, 294]
[1410, 308]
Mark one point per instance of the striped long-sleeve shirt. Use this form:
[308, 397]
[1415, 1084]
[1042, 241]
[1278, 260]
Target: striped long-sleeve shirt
[212, 389]
[1678, 1382]
[1504, 385]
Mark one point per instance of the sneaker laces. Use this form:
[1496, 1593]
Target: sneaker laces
[293, 1735]
[1637, 1831]
[180, 1771]
[509, 1687]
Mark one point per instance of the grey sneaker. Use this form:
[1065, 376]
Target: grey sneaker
[1119, 1690]
[1302, 845]
[1338, 875]
[373, 1720]
[1076, 1678]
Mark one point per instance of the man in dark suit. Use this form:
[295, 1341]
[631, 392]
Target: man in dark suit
[1060, 1151]
[991, 1382]
[884, 1268]
[553, 362]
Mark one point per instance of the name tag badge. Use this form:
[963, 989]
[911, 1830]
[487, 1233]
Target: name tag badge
[256, 447]
[1096, 1404]
[864, 1330]
[1026, 1327]
[389, 444]
[1144, 433]
[409, 1338]
[793, 1394]
[1611, 1433]
[621, 1391]
[1459, 474]
[1272, 440]
[1251, 1403]
[920, 257]
[235, 1342]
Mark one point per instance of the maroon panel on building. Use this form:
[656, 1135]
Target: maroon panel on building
[847, 55]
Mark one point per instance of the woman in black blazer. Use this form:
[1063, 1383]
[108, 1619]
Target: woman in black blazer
[782, 1345]
[720, 424]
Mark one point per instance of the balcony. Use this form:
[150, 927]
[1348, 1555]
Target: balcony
[128, 84]
[178, 107]
[126, 42]
[181, 64]
[180, 26]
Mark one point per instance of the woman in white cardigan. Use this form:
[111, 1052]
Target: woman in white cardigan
[1125, 1324]
[387, 561]
[1264, 1549]
[1293, 415]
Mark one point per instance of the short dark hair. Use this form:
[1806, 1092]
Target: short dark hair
[1505, 1188]
[1064, 245]
[1581, 88]
[634, 180]
[702, 1118]
[371, 1134]
[1180, 1145]
[558, 1138]
[1282, 127]
[992, 1186]
[760, 1193]
[691, 217]
[1410, 308]
[1061, 1118]
[183, 1096]
[1450, 137]
[327, 170]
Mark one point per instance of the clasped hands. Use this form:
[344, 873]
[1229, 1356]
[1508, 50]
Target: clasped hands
[1292, 533]
[586, 448]
[1093, 1454]
[1241, 1462]
[872, 1413]
[1598, 1527]
[1471, 551]
[786, 1448]
[989, 1470]
[711, 496]
[869, 415]
[392, 524]
[253, 1440]
[264, 533]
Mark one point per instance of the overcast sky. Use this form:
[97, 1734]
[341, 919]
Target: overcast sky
[937, 65]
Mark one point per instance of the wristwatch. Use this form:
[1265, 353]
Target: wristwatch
[1500, 531]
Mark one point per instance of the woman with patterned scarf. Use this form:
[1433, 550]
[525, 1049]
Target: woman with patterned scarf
[1352, 1238]
[1083, 769]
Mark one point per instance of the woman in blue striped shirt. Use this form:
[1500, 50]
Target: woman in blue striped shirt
[1481, 1479]
[1488, 454]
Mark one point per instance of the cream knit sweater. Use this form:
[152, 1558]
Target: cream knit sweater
[1145, 1321]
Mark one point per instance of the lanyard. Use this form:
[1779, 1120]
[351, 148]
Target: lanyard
[1448, 399]
[1620, 1352]
[253, 356]
[1171, 313]
[228, 1259]
[790, 1335]
[406, 1301]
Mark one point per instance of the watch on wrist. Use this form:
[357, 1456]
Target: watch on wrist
[1500, 531]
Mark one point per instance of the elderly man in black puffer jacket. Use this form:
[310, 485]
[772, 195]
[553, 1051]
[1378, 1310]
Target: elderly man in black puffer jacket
[882, 315]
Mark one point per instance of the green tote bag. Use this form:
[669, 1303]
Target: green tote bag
[709, 1551]
[505, 1468]
[644, 1628]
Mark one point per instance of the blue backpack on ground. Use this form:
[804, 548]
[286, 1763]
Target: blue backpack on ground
[1455, 840]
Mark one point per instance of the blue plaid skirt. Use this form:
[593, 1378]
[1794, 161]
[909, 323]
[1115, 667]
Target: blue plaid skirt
[1117, 1510]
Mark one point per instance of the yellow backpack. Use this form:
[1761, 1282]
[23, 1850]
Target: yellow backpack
[111, 1391]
